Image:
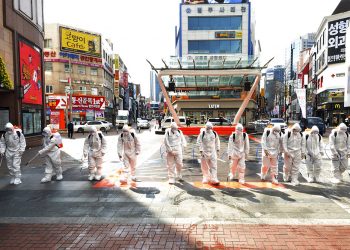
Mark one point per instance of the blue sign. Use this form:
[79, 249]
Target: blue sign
[213, 1]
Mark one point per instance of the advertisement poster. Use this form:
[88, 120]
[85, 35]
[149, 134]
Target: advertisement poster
[336, 40]
[30, 68]
[99, 115]
[55, 119]
[81, 42]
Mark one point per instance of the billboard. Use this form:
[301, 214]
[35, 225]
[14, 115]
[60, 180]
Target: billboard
[212, 1]
[336, 40]
[80, 42]
[31, 73]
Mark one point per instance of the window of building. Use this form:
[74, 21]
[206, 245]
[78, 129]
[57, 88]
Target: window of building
[215, 47]
[82, 90]
[66, 68]
[31, 121]
[48, 43]
[39, 13]
[48, 66]
[94, 91]
[81, 69]
[26, 7]
[94, 71]
[48, 89]
[215, 23]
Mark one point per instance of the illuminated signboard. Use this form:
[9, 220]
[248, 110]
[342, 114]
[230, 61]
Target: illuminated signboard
[80, 42]
[228, 34]
[211, 1]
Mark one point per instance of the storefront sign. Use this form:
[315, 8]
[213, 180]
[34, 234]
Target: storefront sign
[73, 62]
[80, 41]
[336, 40]
[83, 58]
[210, 1]
[31, 70]
[214, 106]
[88, 102]
[301, 95]
[55, 119]
[57, 102]
[50, 54]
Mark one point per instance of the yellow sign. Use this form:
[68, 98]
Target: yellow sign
[80, 42]
[262, 92]
[238, 34]
[116, 62]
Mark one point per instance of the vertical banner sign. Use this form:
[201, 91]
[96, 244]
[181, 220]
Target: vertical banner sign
[336, 40]
[30, 68]
[301, 95]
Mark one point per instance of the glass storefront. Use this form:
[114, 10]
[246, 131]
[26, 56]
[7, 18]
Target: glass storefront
[31, 121]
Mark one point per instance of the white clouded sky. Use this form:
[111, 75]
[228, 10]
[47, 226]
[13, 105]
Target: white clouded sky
[143, 29]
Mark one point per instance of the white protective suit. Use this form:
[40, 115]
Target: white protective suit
[175, 143]
[52, 154]
[12, 146]
[95, 147]
[128, 148]
[313, 149]
[292, 144]
[271, 143]
[339, 142]
[209, 145]
[238, 151]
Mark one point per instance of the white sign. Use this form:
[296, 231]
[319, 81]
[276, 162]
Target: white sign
[214, 106]
[301, 94]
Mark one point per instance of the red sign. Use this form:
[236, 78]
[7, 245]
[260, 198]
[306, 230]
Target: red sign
[30, 68]
[78, 102]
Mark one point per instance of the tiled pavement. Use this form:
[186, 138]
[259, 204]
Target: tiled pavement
[176, 236]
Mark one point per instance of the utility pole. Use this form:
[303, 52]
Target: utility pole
[70, 90]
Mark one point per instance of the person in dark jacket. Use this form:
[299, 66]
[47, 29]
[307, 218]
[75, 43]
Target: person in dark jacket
[70, 129]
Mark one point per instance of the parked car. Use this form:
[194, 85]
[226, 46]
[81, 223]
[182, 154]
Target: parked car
[87, 127]
[314, 121]
[168, 120]
[108, 123]
[279, 121]
[219, 121]
[141, 123]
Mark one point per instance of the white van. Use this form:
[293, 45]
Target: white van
[168, 120]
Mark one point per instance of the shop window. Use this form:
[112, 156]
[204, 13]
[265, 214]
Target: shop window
[48, 43]
[31, 122]
[4, 118]
[49, 89]
[66, 68]
[48, 66]
[81, 69]
[94, 71]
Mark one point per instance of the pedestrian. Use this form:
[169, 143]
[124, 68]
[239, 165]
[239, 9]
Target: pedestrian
[160, 123]
[12, 146]
[292, 144]
[70, 129]
[271, 143]
[95, 147]
[52, 143]
[313, 150]
[128, 149]
[238, 151]
[209, 146]
[188, 122]
[175, 143]
[339, 143]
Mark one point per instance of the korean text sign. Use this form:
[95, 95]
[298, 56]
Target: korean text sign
[336, 40]
[81, 42]
[31, 73]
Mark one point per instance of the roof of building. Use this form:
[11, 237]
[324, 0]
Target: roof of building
[343, 6]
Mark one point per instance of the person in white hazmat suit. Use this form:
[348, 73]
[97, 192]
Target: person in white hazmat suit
[238, 151]
[12, 146]
[339, 143]
[292, 144]
[271, 144]
[128, 149]
[175, 143]
[52, 153]
[95, 147]
[313, 150]
[209, 145]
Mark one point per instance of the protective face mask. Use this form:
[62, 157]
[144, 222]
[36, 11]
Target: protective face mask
[125, 133]
[276, 132]
[44, 134]
[8, 130]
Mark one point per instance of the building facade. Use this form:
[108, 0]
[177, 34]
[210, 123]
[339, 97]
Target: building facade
[209, 34]
[75, 74]
[21, 64]
[108, 79]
